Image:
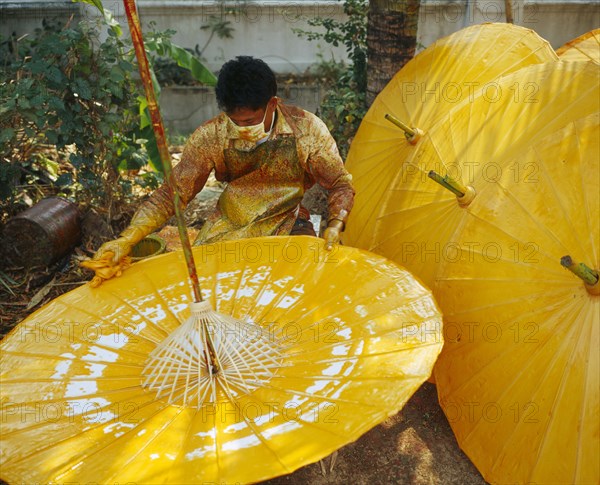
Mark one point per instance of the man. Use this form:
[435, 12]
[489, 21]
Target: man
[269, 154]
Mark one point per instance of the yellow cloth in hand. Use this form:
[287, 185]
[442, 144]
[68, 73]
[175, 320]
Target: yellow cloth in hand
[105, 268]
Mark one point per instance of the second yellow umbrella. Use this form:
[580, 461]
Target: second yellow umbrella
[584, 48]
[454, 69]
[420, 222]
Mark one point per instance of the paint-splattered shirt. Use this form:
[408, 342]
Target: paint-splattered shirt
[210, 147]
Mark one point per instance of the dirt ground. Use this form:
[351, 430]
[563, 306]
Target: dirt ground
[414, 447]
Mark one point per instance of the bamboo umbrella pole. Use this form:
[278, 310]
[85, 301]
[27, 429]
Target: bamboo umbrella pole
[159, 132]
[509, 12]
[464, 193]
[413, 135]
[584, 272]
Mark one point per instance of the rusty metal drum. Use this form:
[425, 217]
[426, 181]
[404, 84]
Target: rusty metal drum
[42, 234]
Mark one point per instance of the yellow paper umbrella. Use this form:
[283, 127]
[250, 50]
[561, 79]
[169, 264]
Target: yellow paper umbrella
[419, 223]
[584, 48]
[519, 374]
[353, 336]
[454, 69]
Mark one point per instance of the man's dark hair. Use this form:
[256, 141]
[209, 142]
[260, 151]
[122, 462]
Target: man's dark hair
[245, 82]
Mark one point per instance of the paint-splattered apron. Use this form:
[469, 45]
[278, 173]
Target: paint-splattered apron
[263, 194]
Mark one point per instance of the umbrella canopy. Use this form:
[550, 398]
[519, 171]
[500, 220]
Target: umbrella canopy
[452, 70]
[518, 377]
[584, 48]
[419, 223]
[355, 334]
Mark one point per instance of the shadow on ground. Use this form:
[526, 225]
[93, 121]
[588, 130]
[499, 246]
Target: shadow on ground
[414, 447]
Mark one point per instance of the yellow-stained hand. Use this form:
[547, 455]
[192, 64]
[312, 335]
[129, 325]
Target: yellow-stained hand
[144, 221]
[118, 249]
[105, 267]
[332, 233]
[112, 257]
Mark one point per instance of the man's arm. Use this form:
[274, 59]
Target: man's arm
[190, 175]
[327, 169]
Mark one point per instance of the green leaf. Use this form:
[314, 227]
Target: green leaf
[54, 75]
[116, 90]
[95, 3]
[82, 88]
[37, 100]
[40, 122]
[51, 167]
[104, 129]
[65, 180]
[155, 83]
[52, 136]
[116, 74]
[55, 104]
[145, 120]
[133, 161]
[152, 149]
[110, 20]
[126, 66]
[77, 160]
[188, 61]
[6, 134]
[37, 66]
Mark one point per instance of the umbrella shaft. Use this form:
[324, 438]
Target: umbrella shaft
[409, 131]
[588, 275]
[448, 183]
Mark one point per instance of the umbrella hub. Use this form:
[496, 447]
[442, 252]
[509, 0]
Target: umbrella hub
[466, 199]
[589, 276]
[464, 193]
[412, 134]
[211, 357]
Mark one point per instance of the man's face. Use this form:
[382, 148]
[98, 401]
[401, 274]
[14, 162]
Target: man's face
[250, 117]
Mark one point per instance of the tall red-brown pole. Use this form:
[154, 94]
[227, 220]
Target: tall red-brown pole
[509, 12]
[159, 133]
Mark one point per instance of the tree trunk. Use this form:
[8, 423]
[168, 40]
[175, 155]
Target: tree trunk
[509, 12]
[391, 40]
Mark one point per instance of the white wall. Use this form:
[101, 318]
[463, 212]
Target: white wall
[24, 17]
[263, 28]
[556, 21]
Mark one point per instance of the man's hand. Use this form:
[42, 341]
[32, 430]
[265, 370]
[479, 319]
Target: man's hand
[104, 267]
[119, 248]
[112, 257]
[332, 233]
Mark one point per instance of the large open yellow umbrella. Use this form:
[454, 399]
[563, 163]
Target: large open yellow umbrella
[454, 69]
[584, 48]
[519, 374]
[419, 222]
[353, 336]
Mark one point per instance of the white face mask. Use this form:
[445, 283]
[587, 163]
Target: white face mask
[254, 133]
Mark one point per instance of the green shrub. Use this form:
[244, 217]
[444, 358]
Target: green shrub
[63, 87]
[344, 103]
[73, 119]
